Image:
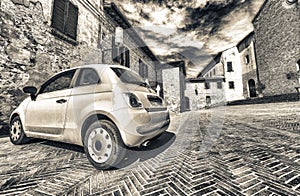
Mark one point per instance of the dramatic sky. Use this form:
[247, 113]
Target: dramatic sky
[194, 30]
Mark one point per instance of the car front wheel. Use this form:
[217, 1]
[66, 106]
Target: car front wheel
[16, 134]
[103, 145]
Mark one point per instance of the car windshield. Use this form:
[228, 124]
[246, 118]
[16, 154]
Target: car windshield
[127, 76]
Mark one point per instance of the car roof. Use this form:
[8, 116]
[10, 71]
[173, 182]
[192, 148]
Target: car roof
[99, 67]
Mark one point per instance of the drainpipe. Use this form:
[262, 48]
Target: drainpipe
[257, 70]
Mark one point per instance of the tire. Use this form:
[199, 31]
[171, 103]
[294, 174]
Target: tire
[16, 133]
[103, 145]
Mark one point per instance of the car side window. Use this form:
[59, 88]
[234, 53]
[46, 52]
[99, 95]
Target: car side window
[87, 76]
[60, 82]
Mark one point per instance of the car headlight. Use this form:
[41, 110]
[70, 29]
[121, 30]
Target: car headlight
[132, 100]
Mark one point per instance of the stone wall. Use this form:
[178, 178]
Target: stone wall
[248, 68]
[277, 46]
[246, 77]
[29, 53]
[171, 88]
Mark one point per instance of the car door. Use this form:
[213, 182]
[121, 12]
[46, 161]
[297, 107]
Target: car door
[46, 114]
[82, 98]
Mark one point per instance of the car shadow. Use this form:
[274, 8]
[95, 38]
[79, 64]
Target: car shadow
[61, 145]
[4, 135]
[4, 129]
[133, 155]
[156, 147]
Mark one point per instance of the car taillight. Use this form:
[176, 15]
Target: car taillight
[133, 101]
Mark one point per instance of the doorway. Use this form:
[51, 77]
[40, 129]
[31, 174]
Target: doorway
[252, 88]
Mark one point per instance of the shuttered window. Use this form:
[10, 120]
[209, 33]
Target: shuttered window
[143, 69]
[127, 58]
[229, 67]
[65, 18]
[120, 54]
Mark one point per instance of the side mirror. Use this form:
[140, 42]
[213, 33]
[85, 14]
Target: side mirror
[30, 90]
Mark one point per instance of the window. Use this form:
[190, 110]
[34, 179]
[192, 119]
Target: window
[87, 76]
[120, 55]
[59, 82]
[124, 56]
[214, 72]
[208, 100]
[65, 17]
[207, 85]
[229, 67]
[219, 85]
[247, 59]
[231, 85]
[127, 58]
[127, 76]
[143, 69]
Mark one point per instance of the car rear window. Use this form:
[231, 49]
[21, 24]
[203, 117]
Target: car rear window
[127, 76]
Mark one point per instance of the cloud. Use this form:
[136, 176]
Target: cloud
[191, 30]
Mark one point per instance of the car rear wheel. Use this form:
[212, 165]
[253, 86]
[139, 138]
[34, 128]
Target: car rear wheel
[16, 134]
[103, 145]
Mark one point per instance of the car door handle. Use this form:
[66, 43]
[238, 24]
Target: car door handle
[61, 101]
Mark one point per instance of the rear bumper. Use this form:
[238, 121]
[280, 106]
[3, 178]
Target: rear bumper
[154, 126]
[138, 126]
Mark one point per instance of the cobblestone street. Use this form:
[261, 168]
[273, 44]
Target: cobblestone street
[232, 150]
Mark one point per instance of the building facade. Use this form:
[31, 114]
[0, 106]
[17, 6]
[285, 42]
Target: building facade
[233, 74]
[249, 68]
[40, 37]
[230, 76]
[277, 27]
[204, 92]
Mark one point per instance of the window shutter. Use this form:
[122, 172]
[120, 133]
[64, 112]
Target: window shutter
[71, 23]
[58, 15]
[146, 71]
[127, 57]
[122, 55]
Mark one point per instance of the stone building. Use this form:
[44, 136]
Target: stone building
[277, 40]
[230, 76]
[204, 92]
[173, 84]
[249, 69]
[208, 88]
[41, 37]
[233, 74]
